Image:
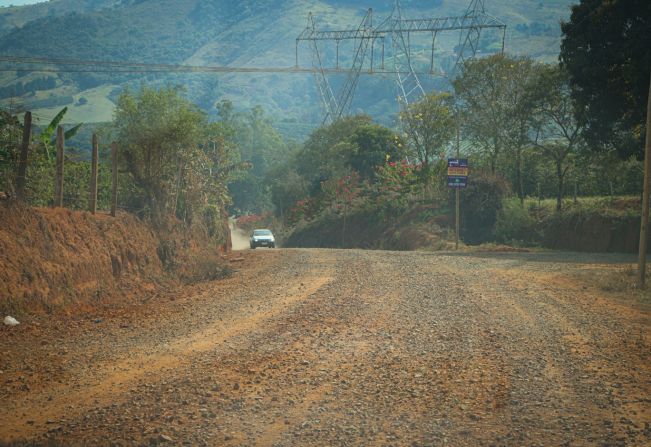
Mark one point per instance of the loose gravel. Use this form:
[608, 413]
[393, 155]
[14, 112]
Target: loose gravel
[344, 348]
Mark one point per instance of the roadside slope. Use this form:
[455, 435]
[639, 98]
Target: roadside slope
[50, 258]
[61, 260]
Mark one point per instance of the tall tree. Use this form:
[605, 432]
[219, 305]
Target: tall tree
[371, 146]
[325, 153]
[287, 188]
[606, 48]
[259, 144]
[158, 130]
[558, 133]
[494, 94]
[430, 125]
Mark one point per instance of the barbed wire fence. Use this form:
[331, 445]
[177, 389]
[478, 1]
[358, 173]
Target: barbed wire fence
[93, 185]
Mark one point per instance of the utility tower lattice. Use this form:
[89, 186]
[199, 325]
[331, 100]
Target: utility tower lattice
[335, 107]
[400, 31]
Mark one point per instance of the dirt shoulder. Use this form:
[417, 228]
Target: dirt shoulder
[60, 261]
[334, 347]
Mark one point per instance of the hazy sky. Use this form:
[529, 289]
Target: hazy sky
[18, 2]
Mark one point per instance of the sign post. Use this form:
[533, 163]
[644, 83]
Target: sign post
[457, 179]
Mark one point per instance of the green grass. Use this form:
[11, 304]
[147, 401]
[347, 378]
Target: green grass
[99, 108]
[612, 206]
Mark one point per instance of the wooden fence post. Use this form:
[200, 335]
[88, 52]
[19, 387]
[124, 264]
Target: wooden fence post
[58, 185]
[92, 200]
[21, 178]
[114, 190]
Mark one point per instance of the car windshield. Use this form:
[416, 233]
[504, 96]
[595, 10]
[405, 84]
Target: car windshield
[262, 233]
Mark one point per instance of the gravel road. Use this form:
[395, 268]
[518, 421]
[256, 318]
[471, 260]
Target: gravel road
[345, 348]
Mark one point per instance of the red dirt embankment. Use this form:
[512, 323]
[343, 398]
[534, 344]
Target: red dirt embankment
[63, 260]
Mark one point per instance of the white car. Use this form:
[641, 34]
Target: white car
[262, 238]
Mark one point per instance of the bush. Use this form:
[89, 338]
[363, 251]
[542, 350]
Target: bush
[515, 225]
[480, 205]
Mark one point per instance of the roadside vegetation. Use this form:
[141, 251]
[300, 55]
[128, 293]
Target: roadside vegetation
[530, 130]
[526, 145]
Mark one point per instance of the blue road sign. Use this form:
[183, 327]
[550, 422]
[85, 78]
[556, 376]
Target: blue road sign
[457, 173]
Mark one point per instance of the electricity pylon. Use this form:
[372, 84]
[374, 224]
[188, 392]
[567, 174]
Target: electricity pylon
[400, 30]
[337, 106]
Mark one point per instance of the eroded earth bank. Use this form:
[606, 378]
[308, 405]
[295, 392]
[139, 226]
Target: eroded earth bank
[329, 347]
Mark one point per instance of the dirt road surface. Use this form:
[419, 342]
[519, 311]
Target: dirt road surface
[345, 348]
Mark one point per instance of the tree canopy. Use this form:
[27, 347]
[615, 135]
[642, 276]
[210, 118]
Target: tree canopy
[429, 125]
[495, 95]
[606, 48]
[558, 133]
[324, 155]
[158, 131]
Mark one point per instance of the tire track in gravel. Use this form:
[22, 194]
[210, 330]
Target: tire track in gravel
[104, 384]
[276, 386]
[385, 348]
[575, 350]
[418, 353]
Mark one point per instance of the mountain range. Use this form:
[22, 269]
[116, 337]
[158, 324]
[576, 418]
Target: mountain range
[246, 33]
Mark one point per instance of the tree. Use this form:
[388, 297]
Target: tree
[287, 188]
[207, 170]
[325, 153]
[494, 94]
[430, 125]
[158, 130]
[259, 144]
[606, 50]
[371, 146]
[48, 135]
[483, 199]
[558, 134]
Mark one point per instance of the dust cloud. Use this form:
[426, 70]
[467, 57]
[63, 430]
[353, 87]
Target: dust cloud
[239, 238]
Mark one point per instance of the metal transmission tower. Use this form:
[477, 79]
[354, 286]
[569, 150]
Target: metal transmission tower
[477, 20]
[408, 64]
[337, 106]
[409, 86]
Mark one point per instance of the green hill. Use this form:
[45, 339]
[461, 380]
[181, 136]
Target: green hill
[17, 16]
[252, 33]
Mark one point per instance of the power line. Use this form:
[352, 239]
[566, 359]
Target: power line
[56, 65]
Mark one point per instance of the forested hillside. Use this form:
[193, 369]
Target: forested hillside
[257, 33]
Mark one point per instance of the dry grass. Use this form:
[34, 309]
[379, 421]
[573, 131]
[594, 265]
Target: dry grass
[620, 281]
[496, 248]
[204, 268]
[63, 261]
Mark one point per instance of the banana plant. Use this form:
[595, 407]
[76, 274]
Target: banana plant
[47, 136]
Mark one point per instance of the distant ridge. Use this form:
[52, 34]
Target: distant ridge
[254, 33]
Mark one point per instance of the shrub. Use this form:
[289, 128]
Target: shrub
[515, 225]
[480, 205]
